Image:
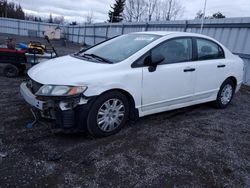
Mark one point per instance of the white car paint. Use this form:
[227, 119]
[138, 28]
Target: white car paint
[165, 89]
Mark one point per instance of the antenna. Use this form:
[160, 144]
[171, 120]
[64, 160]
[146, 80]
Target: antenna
[203, 16]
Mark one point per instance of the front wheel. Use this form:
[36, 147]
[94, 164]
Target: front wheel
[108, 114]
[21, 68]
[225, 94]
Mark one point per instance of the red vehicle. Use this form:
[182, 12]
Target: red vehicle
[15, 61]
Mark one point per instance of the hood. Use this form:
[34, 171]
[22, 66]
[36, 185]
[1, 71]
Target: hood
[66, 70]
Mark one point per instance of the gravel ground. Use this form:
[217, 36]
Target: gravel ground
[198, 146]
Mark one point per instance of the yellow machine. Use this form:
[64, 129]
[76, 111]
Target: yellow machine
[36, 47]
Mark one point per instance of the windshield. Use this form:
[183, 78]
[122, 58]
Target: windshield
[120, 48]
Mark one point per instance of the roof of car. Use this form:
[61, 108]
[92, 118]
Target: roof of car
[164, 33]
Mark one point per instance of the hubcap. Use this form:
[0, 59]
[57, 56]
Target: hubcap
[226, 94]
[110, 115]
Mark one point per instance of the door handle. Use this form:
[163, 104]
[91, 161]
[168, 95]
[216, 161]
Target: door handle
[221, 66]
[189, 70]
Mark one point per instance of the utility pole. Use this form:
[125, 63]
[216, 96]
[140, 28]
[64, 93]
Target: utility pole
[203, 16]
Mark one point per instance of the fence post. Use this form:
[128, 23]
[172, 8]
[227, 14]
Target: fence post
[68, 33]
[18, 27]
[146, 27]
[78, 40]
[38, 28]
[122, 29]
[186, 26]
[107, 30]
[84, 37]
[94, 32]
[73, 33]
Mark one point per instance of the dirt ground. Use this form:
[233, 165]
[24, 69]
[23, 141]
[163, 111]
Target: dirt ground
[198, 146]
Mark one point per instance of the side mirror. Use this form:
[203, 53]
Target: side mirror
[153, 60]
[157, 59]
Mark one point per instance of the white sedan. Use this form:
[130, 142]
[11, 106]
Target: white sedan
[133, 75]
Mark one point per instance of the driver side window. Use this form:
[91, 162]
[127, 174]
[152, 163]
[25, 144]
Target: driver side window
[175, 50]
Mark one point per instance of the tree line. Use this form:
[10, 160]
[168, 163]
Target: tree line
[121, 11]
[150, 10]
[14, 10]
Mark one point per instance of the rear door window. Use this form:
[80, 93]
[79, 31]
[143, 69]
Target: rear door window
[207, 49]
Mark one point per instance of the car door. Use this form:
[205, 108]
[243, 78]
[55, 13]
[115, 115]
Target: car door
[173, 80]
[210, 68]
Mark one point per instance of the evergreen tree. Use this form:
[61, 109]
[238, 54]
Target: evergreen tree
[19, 12]
[115, 15]
[50, 18]
[11, 10]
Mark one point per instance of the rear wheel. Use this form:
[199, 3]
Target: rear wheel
[225, 94]
[108, 114]
[10, 71]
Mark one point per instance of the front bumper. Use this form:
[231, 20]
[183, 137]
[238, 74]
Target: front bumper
[30, 98]
[70, 114]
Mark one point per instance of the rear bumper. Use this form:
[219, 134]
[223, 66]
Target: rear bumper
[71, 119]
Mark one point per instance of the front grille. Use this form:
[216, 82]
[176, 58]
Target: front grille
[34, 86]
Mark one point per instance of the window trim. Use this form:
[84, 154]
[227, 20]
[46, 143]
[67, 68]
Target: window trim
[195, 49]
[134, 65]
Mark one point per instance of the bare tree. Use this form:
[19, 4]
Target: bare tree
[151, 6]
[157, 14]
[89, 17]
[140, 7]
[134, 10]
[172, 9]
[157, 10]
[129, 11]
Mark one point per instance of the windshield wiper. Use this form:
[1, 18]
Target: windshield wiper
[98, 57]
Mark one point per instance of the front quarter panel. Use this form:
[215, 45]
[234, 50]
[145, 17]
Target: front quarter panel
[127, 79]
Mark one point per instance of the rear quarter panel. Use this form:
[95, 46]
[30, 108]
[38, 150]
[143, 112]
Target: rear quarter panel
[235, 68]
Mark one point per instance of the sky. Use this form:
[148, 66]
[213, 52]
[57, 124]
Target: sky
[76, 10]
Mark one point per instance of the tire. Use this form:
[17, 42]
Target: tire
[10, 71]
[111, 110]
[21, 68]
[225, 94]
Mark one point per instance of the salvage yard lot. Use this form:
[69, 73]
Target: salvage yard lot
[198, 146]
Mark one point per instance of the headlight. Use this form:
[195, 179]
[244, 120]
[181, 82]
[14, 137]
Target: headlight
[50, 90]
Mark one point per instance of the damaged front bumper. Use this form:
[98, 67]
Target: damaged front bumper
[69, 113]
[30, 98]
